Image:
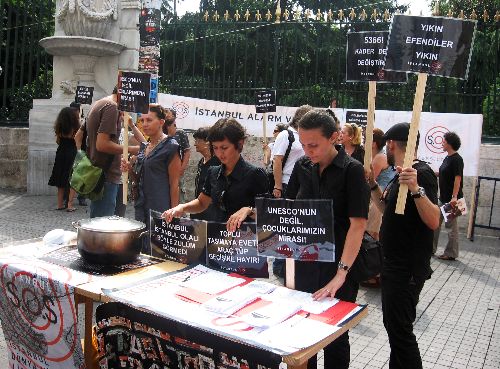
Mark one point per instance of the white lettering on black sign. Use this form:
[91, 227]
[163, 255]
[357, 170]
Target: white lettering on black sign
[84, 95]
[265, 101]
[365, 58]
[434, 45]
[133, 92]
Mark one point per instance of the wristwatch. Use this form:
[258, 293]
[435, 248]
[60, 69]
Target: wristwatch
[420, 193]
[343, 266]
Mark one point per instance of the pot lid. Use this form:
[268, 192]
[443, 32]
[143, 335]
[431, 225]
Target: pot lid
[110, 224]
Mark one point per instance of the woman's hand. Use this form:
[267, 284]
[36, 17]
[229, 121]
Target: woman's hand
[332, 287]
[175, 212]
[125, 166]
[235, 220]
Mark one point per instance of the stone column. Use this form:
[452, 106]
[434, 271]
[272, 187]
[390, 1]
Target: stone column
[129, 35]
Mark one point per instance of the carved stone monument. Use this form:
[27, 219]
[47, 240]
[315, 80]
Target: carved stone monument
[93, 39]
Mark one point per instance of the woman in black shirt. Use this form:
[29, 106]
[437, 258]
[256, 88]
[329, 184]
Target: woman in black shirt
[232, 186]
[351, 137]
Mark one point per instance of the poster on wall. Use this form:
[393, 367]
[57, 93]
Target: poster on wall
[298, 229]
[365, 54]
[133, 92]
[235, 251]
[131, 338]
[435, 45]
[183, 240]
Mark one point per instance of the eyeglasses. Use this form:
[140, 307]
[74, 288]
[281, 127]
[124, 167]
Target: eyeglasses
[222, 202]
[275, 131]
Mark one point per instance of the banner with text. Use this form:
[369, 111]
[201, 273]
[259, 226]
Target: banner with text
[38, 314]
[434, 45]
[133, 91]
[365, 58]
[235, 251]
[195, 113]
[182, 240]
[298, 229]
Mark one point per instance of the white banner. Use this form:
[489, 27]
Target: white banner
[195, 113]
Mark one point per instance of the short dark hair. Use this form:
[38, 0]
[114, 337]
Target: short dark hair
[318, 118]
[378, 138]
[75, 105]
[299, 113]
[280, 127]
[172, 110]
[67, 122]
[453, 140]
[115, 90]
[228, 128]
[201, 133]
[158, 110]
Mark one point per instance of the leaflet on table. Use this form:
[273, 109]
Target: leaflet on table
[271, 313]
[212, 282]
[231, 301]
[303, 299]
[296, 333]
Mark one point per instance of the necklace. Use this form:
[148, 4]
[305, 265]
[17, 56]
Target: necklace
[152, 144]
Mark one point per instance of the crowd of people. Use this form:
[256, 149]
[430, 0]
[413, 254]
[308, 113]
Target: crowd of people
[311, 158]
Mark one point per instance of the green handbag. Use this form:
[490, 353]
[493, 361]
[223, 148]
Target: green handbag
[87, 179]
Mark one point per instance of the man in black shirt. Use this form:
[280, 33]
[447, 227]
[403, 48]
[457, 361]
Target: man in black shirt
[407, 242]
[329, 173]
[451, 174]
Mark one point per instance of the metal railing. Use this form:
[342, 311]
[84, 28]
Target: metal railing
[489, 224]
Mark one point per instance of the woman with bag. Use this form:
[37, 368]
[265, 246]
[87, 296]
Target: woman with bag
[66, 125]
[156, 168]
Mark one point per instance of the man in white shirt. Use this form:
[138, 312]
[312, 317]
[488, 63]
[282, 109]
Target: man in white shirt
[279, 153]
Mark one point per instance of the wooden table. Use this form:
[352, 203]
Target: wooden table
[89, 293]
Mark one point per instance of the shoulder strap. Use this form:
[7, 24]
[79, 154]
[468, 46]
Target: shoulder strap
[291, 139]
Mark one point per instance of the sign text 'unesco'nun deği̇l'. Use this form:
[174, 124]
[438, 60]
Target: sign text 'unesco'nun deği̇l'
[365, 58]
[298, 229]
[235, 251]
[133, 92]
[433, 45]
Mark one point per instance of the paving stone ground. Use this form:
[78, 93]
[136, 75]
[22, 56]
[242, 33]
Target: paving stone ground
[458, 320]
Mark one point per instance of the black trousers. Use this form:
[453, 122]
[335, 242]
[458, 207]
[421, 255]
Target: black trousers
[310, 277]
[400, 294]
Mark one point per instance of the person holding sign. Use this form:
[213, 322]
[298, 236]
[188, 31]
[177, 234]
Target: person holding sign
[351, 138]
[327, 172]
[157, 167]
[407, 241]
[231, 186]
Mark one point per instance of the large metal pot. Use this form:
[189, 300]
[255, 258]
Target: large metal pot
[109, 240]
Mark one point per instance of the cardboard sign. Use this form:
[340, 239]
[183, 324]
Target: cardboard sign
[133, 91]
[84, 94]
[265, 101]
[298, 229]
[182, 240]
[365, 54]
[358, 117]
[235, 251]
[433, 45]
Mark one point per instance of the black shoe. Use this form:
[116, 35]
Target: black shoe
[82, 202]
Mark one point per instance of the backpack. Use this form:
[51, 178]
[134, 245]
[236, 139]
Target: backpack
[269, 171]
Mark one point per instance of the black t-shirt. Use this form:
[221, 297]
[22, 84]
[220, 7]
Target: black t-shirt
[406, 240]
[452, 166]
[343, 181]
[229, 194]
[202, 172]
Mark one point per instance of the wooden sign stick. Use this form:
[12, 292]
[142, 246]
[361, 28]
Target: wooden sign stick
[290, 273]
[126, 118]
[372, 93]
[412, 138]
[264, 127]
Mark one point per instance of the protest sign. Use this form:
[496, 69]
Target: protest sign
[235, 251]
[366, 52]
[182, 240]
[153, 94]
[133, 92]
[433, 45]
[84, 95]
[265, 101]
[358, 117]
[298, 229]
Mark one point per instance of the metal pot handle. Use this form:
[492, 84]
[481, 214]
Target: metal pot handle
[76, 224]
[144, 233]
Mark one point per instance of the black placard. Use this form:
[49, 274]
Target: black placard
[265, 101]
[133, 92]
[84, 94]
[182, 240]
[298, 229]
[149, 27]
[358, 117]
[366, 52]
[235, 251]
[434, 45]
